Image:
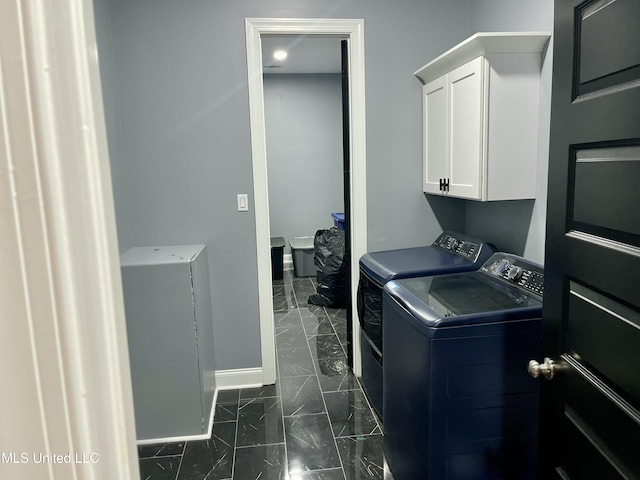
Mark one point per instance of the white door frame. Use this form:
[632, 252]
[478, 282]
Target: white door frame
[64, 359]
[353, 30]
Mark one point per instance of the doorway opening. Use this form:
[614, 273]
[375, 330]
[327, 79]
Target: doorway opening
[352, 30]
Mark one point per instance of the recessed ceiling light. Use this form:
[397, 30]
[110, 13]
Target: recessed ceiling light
[279, 54]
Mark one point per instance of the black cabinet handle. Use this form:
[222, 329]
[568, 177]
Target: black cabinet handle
[444, 184]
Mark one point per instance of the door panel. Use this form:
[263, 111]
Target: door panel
[590, 420]
[606, 181]
[435, 134]
[603, 417]
[595, 322]
[575, 439]
[466, 121]
[614, 59]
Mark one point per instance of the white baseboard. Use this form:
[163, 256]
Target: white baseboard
[186, 438]
[239, 378]
[287, 261]
[225, 380]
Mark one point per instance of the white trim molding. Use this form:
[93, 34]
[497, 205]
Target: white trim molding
[187, 438]
[63, 347]
[239, 378]
[353, 31]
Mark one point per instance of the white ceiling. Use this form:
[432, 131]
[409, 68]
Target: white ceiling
[306, 54]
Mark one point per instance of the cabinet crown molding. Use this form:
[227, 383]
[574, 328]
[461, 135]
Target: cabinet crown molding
[482, 43]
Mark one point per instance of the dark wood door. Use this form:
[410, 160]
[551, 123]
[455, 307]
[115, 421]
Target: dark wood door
[346, 156]
[590, 411]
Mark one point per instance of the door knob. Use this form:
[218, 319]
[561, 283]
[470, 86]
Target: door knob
[547, 368]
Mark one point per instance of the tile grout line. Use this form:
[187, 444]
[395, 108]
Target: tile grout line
[335, 332]
[235, 440]
[279, 386]
[375, 416]
[184, 449]
[333, 433]
[373, 413]
[377, 423]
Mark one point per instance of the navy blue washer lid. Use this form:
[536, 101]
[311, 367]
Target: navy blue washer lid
[461, 299]
[382, 267]
[451, 252]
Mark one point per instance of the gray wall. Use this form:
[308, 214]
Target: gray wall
[517, 226]
[303, 116]
[182, 102]
[108, 81]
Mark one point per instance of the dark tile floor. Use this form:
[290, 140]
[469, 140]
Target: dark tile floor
[313, 424]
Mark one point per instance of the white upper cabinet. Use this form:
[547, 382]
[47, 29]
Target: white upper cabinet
[480, 105]
[436, 113]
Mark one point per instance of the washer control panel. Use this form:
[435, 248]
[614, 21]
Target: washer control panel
[459, 244]
[516, 270]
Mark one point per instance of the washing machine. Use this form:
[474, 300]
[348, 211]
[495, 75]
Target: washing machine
[451, 252]
[458, 401]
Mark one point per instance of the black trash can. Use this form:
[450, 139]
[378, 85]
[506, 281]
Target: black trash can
[277, 258]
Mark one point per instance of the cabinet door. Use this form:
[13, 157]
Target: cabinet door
[466, 121]
[435, 99]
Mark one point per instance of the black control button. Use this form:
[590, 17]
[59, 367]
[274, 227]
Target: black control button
[514, 273]
[502, 266]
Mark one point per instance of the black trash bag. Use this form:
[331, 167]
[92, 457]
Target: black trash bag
[329, 249]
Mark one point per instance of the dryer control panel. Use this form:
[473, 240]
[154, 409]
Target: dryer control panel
[516, 270]
[461, 245]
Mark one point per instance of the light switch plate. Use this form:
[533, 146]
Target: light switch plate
[243, 202]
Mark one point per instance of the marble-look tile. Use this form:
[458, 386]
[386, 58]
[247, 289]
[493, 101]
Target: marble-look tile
[332, 366]
[318, 324]
[301, 282]
[211, 459]
[337, 380]
[289, 318]
[259, 422]
[161, 450]
[161, 468]
[302, 295]
[260, 392]
[282, 303]
[325, 346]
[290, 337]
[307, 310]
[301, 396]
[362, 457]
[225, 412]
[332, 474]
[277, 288]
[310, 443]
[341, 332]
[337, 315]
[226, 397]
[294, 362]
[267, 462]
[350, 414]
